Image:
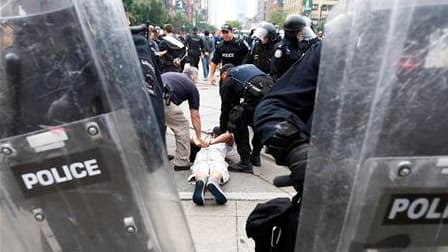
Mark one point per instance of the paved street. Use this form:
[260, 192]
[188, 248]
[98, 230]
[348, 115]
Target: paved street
[222, 228]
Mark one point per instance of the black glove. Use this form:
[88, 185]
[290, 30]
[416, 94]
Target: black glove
[286, 137]
[297, 159]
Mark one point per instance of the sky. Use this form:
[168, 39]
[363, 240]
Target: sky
[222, 10]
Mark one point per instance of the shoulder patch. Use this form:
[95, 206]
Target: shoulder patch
[278, 53]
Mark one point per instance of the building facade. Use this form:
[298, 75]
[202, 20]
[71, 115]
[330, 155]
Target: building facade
[293, 7]
[320, 10]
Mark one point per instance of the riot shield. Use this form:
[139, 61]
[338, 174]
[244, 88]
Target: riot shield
[82, 163]
[377, 178]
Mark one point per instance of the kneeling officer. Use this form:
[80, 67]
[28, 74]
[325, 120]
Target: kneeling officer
[243, 88]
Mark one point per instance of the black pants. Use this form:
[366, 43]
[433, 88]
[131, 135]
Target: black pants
[242, 137]
[194, 59]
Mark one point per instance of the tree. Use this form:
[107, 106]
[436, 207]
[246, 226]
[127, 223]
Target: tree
[278, 18]
[180, 22]
[234, 23]
[151, 11]
[211, 28]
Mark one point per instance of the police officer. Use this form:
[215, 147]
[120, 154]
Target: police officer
[195, 46]
[151, 74]
[262, 48]
[283, 117]
[249, 84]
[231, 50]
[172, 51]
[288, 51]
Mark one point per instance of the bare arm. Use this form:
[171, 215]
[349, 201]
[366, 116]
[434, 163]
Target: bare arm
[196, 121]
[223, 138]
[212, 73]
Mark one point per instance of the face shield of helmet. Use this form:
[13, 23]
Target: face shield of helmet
[295, 35]
[262, 34]
[308, 33]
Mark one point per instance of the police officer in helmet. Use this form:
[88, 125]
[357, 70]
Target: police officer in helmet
[262, 48]
[288, 51]
[283, 118]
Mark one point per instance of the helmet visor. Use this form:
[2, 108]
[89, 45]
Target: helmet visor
[260, 33]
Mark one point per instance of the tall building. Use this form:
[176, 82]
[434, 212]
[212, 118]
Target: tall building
[293, 6]
[261, 11]
[320, 10]
[273, 6]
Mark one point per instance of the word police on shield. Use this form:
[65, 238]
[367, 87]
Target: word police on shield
[65, 172]
[417, 209]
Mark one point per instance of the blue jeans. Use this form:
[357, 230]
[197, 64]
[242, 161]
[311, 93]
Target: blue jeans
[205, 66]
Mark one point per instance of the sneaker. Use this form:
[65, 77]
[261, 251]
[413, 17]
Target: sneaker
[216, 191]
[255, 160]
[182, 168]
[241, 167]
[198, 194]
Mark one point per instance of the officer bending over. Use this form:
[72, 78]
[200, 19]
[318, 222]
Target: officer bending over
[283, 118]
[249, 84]
[182, 87]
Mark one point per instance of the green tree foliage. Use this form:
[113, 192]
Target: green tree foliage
[211, 28]
[180, 22]
[278, 18]
[234, 23]
[151, 11]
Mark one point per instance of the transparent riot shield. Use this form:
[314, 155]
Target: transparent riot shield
[82, 163]
[377, 178]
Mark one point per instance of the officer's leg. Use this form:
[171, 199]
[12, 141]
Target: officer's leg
[256, 142]
[243, 148]
[178, 123]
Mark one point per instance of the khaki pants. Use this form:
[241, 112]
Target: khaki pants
[178, 123]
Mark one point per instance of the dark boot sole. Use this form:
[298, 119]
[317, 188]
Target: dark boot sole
[217, 193]
[198, 194]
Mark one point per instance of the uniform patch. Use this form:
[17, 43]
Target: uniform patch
[278, 53]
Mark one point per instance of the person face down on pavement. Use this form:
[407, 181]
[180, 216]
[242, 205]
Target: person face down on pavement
[209, 169]
[283, 117]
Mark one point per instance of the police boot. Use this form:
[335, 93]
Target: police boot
[255, 159]
[243, 166]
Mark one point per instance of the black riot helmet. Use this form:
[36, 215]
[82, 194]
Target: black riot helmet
[265, 29]
[294, 23]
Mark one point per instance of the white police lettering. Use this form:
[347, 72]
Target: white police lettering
[69, 172]
[399, 205]
[420, 208]
[228, 55]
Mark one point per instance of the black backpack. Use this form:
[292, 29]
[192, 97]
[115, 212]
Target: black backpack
[273, 225]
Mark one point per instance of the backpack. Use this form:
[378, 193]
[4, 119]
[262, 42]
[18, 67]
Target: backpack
[273, 225]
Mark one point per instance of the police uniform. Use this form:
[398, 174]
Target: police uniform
[261, 55]
[285, 55]
[195, 47]
[282, 119]
[232, 91]
[233, 52]
[173, 52]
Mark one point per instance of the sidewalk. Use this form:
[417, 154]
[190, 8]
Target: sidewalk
[217, 228]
